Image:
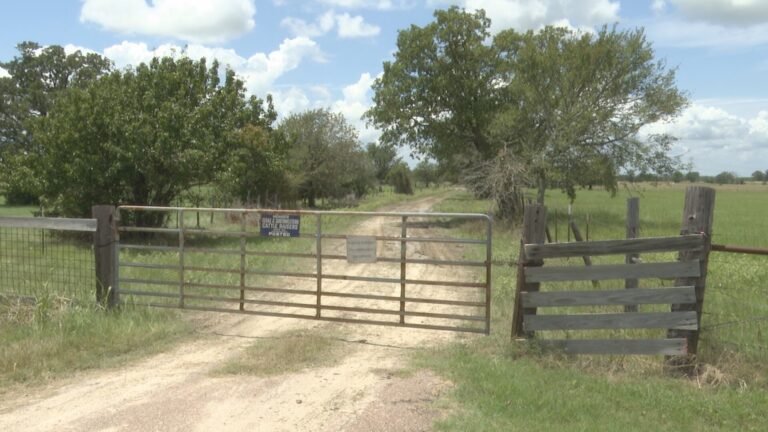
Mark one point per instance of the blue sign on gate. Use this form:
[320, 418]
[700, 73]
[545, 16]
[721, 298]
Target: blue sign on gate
[280, 225]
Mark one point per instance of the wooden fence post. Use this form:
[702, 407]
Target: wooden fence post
[534, 231]
[105, 254]
[633, 230]
[698, 215]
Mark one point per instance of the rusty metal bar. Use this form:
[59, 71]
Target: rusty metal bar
[406, 281]
[330, 319]
[488, 260]
[403, 254]
[180, 216]
[242, 261]
[319, 265]
[251, 288]
[308, 212]
[739, 249]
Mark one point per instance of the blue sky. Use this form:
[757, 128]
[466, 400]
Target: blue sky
[326, 53]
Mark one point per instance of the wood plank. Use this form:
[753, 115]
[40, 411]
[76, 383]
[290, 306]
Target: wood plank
[605, 298]
[534, 227]
[677, 320]
[614, 247]
[618, 346]
[58, 224]
[613, 271]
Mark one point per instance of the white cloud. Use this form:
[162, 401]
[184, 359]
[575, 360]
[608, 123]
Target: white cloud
[658, 6]
[355, 26]
[533, 14]
[356, 100]
[259, 71]
[71, 49]
[717, 139]
[347, 26]
[4, 73]
[369, 4]
[210, 21]
[729, 12]
[687, 34]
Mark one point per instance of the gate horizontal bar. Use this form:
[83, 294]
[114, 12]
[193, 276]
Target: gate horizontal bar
[613, 271]
[676, 295]
[149, 248]
[148, 282]
[645, 320]
[403, 299]
[405, 281]
[614, 247]
[250, 288]
[60, 224]
[330, 319]
[307, 212]
[618, 346]
[150, 266]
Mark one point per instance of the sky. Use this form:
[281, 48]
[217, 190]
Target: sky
[326, 53]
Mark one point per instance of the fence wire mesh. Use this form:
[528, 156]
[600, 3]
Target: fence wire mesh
[36, 263]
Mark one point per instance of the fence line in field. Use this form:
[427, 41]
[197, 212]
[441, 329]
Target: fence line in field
[42, 257]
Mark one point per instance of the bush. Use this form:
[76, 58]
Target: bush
[400, 177]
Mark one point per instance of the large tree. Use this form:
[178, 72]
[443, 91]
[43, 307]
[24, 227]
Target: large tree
[35, 77]
[439, 95]
[139, 136]
[578, 102]
[384, 158]
[326, 156]
[564, 107]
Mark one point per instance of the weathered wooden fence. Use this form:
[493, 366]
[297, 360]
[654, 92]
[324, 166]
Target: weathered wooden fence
[685, 296]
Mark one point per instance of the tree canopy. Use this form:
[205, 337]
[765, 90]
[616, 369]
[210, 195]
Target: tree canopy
[567, 105]
[326, 156]
[142, 135]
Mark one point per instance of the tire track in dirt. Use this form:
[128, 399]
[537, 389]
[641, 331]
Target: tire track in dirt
[175, 391]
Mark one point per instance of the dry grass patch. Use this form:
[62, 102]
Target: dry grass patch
[288, 352]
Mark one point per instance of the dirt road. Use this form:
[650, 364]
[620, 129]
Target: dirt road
[176, 391]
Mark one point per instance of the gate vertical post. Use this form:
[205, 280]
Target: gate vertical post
[698, 216]
[488, 259]
[180, 221]
[403, 255]
[534, 227]
[633, 230]
[319, 271]
[105, 254]
[242, 260]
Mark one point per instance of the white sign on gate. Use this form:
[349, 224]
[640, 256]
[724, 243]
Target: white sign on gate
[361, 249]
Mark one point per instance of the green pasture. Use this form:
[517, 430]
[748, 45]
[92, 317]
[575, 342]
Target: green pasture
[507, 386]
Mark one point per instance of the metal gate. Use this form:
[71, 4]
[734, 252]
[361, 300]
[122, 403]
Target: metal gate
[402, 269]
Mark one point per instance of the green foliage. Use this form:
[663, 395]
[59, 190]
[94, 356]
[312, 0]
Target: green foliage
[257, 165]
[400, 177]
[426, 172]
[325, 156]
[693, 176]
[36, 77]
[568, 105]
[384, 157]
[438, 95]
[726, 177]
[150, 133]
[758, 176]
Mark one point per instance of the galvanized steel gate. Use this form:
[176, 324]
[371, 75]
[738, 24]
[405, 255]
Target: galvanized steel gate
[225, 260]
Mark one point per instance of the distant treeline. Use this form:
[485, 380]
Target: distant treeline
[725, 177]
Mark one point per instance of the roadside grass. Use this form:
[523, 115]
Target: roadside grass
[285, 353]
[53, 338]
[509, 386]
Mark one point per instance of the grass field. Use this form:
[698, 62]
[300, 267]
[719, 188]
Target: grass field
[499, 385]
[502, 386]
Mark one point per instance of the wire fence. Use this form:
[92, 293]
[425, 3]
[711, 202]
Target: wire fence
[36, 263]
